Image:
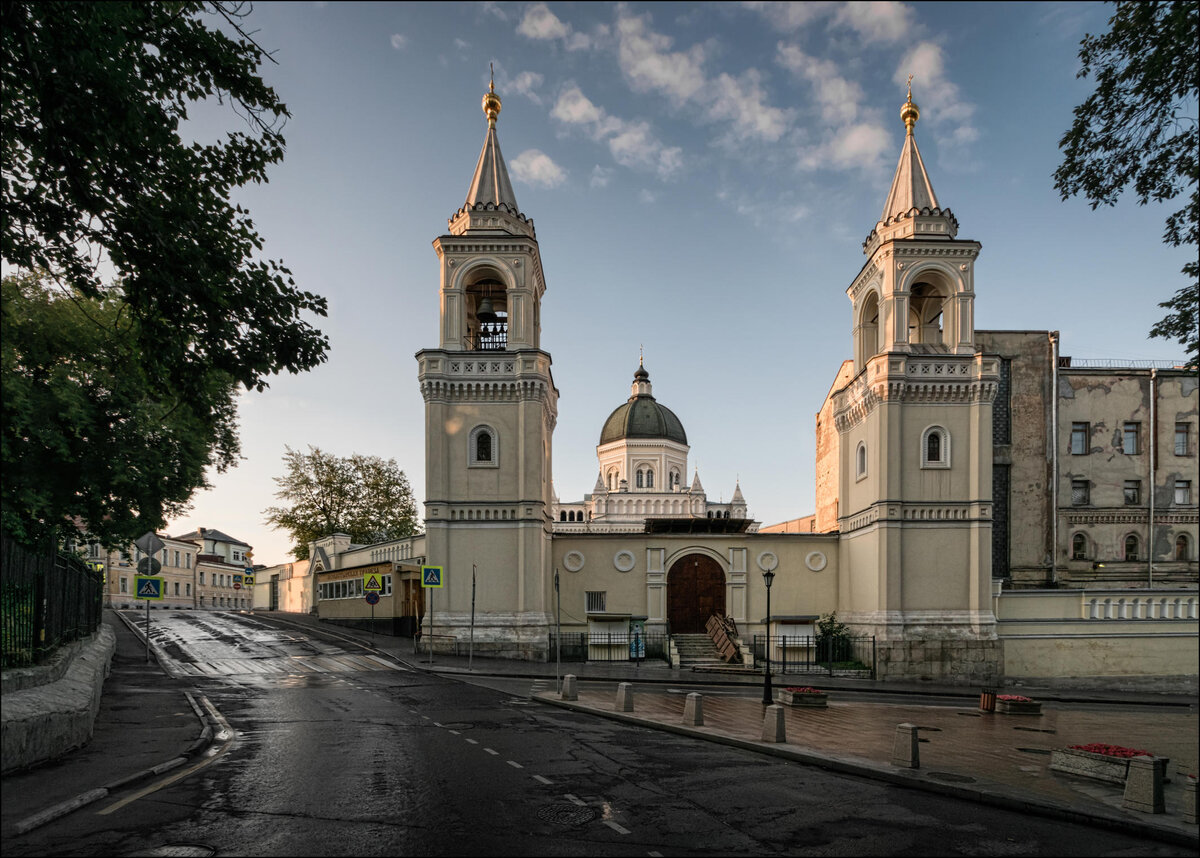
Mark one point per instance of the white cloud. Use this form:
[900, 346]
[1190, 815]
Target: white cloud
[461, 44]
[399, 40]
[742, 102]
[648, 63]
[526, 83]
[632, 143]
[939, 99]
[876, 21]
[647, 197]
[535, 167]
[600, 177]
[838, 97]
[862, 145]
[540, 23]
[790, 16]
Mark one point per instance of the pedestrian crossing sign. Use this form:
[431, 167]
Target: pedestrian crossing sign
[431, 576]
[248, 580]
[148, 587]
[373, 583]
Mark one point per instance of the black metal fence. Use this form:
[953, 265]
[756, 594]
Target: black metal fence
[848, 656]
[46, 600]
[582, 646]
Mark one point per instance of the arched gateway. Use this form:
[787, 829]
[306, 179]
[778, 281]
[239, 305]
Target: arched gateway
[695, 591]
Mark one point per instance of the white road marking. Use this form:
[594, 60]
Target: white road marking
[543, 780]
[574, 799]
[514, 764]
[616, 827]
[493, 753]
[472, 741]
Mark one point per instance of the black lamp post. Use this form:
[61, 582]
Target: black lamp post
[768, 697]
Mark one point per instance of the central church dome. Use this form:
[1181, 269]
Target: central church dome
[642, 417]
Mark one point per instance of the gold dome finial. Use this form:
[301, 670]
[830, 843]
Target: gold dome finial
[491, 101]
[909, 112]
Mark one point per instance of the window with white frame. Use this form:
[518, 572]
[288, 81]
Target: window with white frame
[1132, 544]
[1183, 439]
[1131, 438]
[596, 601]
[482, 448]
[860, 461]
[1133, 492]
[1183, 492]
[1080, 492]
[935, 448]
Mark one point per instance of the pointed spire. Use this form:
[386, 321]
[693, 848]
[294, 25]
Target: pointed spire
[490, 186]
[737, 494]
[696, 487]
[600, 488]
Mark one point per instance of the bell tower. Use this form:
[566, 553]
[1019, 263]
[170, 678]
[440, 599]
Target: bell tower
[490, 410]
[914, 426]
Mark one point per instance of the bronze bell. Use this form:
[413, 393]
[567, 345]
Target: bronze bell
[486, 313]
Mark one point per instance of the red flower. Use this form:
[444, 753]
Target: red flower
[1110, 750]
[807, 689]
[1015, 698]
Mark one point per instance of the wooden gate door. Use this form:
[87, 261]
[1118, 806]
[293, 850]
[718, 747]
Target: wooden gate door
[695, 591]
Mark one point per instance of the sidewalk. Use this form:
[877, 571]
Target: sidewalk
[148, 720]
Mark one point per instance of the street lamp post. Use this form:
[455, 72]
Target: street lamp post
[768, 696]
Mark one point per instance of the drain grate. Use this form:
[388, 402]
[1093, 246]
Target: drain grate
[951, 778]
[566, 814]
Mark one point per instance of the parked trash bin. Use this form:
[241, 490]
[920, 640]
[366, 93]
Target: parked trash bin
[987, 700]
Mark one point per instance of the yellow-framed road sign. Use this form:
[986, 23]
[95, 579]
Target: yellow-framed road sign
[431, 576]
[148, 587]
[373, 583]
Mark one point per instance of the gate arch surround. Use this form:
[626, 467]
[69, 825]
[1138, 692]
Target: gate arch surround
[695, 591]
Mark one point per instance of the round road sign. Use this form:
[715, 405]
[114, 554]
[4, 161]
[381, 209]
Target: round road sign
[372, 598]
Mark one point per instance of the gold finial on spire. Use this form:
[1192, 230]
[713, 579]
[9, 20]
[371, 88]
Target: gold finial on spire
[491, 101]
[641, 355]
[909, 112]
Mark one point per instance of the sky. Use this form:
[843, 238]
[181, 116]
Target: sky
[701, 177]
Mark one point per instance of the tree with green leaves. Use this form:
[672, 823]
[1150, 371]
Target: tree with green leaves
[1139, 129]
[363, 496]
[139, 302]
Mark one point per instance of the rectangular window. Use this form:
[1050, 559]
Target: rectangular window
[201, 578]
[1133, 492]
[1080, 492]
[188, 560]
[124, 585]
[187, 588]
[1183, 492]
[1130, 440]
[387, 585]
[176, 588]
[176, 558]
[1183, 441]
[164, 557]
[1079, 439]
[597, 601]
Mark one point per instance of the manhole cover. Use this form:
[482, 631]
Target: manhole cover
[566, 814]
[1042, 751]
[184, 850]
[951, 778]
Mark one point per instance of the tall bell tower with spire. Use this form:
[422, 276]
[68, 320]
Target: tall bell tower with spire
[490, 411]
[914, 435]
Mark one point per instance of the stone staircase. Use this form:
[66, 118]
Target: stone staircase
[697, 651]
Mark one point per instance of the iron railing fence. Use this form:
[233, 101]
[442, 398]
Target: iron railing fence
[846, 656]
[46, 600]
[582, 646]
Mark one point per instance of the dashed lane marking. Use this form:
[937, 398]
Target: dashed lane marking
[615, 827]
[575, 800]
[514, 764]
[543, 780]
[473, 741]
[493, 753]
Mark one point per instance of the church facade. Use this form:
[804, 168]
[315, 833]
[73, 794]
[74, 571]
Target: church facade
[950, 466]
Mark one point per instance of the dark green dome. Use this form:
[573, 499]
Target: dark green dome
[642, 417]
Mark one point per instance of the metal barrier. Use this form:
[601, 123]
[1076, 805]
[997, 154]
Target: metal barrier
[847, 656]
[46, 600]
[582, 646]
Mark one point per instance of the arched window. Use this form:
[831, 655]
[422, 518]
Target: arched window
[482, 452]
[1183, 551]
[935, 448]
[613, 480]
[562, 516]
[641, 479]
[649, 479]
[1079, 547]
[1131, 547]
[860, 460]
[673, 480]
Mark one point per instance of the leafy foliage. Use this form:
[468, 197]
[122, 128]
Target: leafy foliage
[363, 496]
[87, 434]
[1140, 128]
[106, 201]
[834, 641]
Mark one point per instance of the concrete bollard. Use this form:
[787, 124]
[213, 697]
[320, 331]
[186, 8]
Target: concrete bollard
[693, 710]
[624, 697]
[1189, 799]
[906, 750]
[1144, 785]
[773, 724]
[569, 691]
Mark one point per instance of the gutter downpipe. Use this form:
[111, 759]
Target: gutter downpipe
[1054, 459]
[1153, 463]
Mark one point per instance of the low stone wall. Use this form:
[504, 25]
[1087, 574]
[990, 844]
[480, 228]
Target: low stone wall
[956, 662]
[45, 721]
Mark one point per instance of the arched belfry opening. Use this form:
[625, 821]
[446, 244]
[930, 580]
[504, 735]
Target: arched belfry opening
[487, 314]
[926, 314]
[867, 340]
[695, 591]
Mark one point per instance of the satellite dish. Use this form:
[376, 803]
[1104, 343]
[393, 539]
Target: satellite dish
[149, 566]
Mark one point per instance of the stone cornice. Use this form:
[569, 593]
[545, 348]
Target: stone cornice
[944, 379]
[1133, 516]
[520, 376]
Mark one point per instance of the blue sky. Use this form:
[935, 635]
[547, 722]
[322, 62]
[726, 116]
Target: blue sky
[701, 177]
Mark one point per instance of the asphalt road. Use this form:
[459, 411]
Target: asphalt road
[333, 751]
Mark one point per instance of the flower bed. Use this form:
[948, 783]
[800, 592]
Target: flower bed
[804, 696]
[1015, 704]
[1099, 761]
